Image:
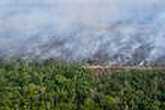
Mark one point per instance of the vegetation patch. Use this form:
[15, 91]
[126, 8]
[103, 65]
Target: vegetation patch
[52, 85]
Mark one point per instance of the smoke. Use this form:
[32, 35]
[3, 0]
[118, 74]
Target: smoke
[113, 31]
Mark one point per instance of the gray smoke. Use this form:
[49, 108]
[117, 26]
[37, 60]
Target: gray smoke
[128, 32]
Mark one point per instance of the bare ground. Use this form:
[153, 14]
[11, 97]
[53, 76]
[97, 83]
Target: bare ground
[98, 68]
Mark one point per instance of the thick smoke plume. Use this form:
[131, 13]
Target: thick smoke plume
[127, 32]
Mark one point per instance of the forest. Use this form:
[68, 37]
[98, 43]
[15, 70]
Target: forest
[54, 85]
